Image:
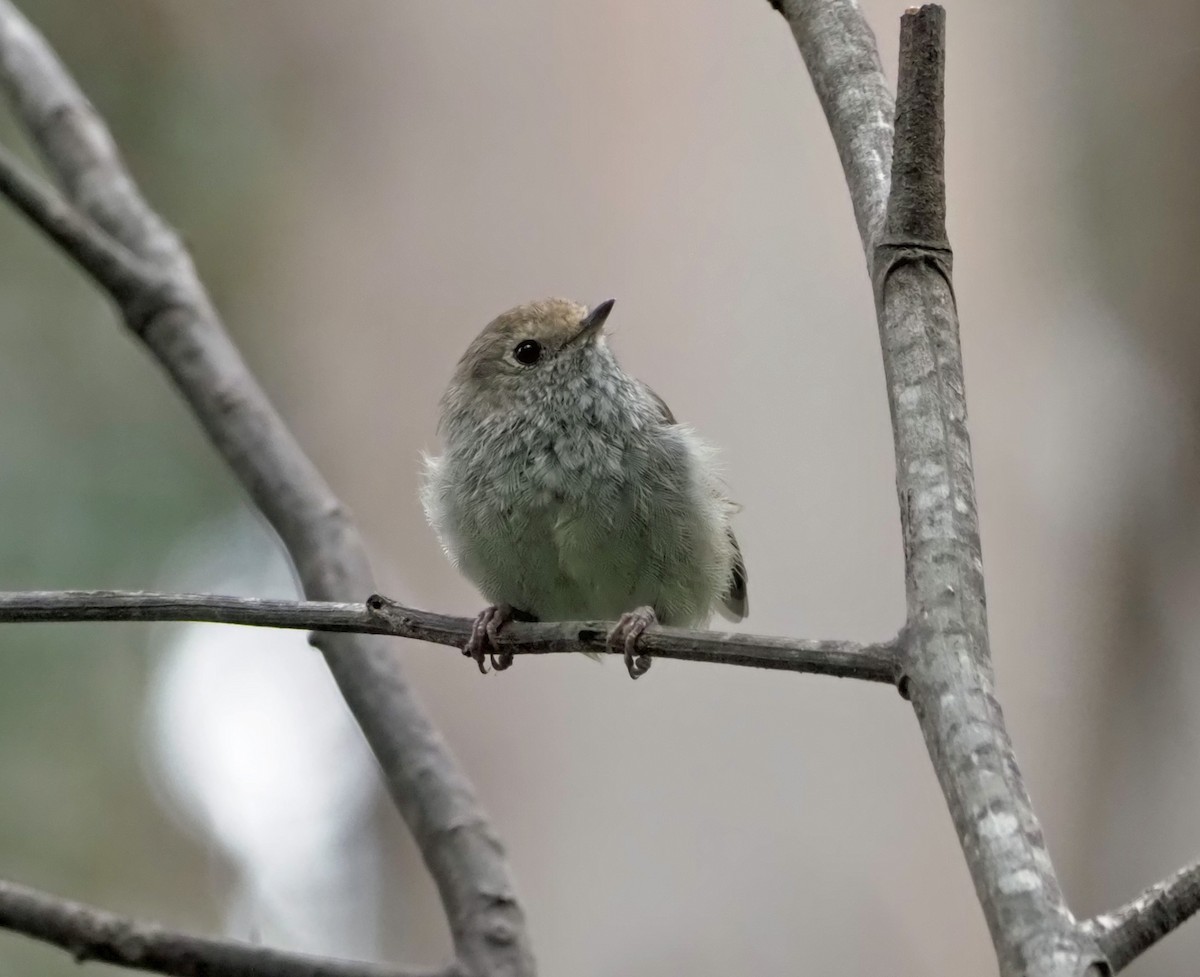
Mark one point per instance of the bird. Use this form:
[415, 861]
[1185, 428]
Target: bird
[566, 489]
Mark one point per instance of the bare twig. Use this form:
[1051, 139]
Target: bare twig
[88, 933]
[181, 328]
[844, 659]
[1130, 931]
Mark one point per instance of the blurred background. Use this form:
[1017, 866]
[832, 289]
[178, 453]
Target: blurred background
[363, 187]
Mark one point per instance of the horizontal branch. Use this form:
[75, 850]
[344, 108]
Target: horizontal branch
[1130, 931]
[843, 659]
[88, 933]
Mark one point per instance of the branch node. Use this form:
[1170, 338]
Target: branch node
[891, 255]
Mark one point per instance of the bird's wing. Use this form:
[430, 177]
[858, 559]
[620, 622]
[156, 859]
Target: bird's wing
[735, 605]
[665, 414]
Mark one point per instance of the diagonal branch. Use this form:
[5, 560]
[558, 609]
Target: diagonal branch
[181, 328]
[88, 933]
[839, 50]
[110, 263]
[843, 659]
[1130, 931]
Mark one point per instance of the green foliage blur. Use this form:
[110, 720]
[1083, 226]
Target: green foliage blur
[102, 470]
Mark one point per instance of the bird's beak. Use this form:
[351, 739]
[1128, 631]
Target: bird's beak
[592, 323]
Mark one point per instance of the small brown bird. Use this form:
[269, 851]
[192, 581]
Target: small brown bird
[568, 491]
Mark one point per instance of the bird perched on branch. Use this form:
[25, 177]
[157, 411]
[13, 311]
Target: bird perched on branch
[568, 491]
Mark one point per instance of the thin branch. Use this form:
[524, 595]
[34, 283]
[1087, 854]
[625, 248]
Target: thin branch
[88, 933]
[1130, 931]
[182, 329]
[844, 659]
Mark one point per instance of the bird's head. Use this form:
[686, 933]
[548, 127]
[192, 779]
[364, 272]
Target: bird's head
[530, 350]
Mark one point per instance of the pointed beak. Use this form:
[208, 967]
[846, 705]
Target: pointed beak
[593, 323]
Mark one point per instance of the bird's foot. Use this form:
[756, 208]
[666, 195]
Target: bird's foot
[485, 636]
[626, 636]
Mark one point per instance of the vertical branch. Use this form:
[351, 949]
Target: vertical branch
[947, 666]
[172, 314]
[916, 203]
[947, 671]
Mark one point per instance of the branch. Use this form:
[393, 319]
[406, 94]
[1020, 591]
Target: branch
[839, 51]
[947, 668]
[1130, 931]
[843, 659]
[947, 658]
[181, 328]
[110, 263]
[88, 933]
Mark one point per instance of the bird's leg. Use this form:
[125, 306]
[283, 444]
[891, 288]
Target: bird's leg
[485, 635]
[487, 624]
[626, 636]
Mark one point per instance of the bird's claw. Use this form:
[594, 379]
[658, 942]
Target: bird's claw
[485, 637]
[626, 636]
[500, 660]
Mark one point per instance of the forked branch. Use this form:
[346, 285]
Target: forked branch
[947, 656]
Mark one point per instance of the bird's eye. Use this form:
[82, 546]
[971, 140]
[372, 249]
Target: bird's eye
[527, 352]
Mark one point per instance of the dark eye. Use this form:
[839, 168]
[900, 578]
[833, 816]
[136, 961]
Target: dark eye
[528, 352]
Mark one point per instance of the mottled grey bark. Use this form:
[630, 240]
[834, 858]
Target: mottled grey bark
[947, 670]
[839, 50]
[843, 659]
[170, 311]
